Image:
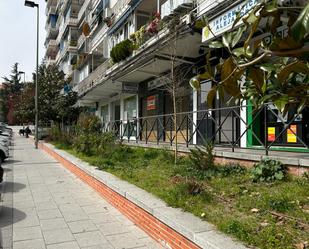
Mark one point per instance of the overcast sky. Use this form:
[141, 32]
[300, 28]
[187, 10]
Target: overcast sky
[18, 36]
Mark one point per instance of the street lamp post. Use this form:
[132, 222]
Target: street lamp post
[32, 5]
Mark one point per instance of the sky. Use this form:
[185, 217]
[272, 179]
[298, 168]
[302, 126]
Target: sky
[18, 36]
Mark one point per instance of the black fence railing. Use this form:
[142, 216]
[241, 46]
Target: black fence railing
[225, 127]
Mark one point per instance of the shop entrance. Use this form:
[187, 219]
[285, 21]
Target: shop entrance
[291, 130]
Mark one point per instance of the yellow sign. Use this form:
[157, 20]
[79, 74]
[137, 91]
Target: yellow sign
[291, 134]
[271, 134]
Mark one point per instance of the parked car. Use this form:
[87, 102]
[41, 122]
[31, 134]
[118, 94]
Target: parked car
[5, 141]
[4, 152]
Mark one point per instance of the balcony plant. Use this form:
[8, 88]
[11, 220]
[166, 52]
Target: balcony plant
[121, 51]
[108, 21]
[153, 27]
[73, 43]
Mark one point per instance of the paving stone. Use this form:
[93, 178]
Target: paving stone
[29, 221]
[26, 233]
[65, 245]
[49, 214]
[53, 224]
[58, 236]
[105, 246]
[75, 216]
[125, 240]
[82, 226]
[91, 209]
[113, 228]
[99, 218]
[45, 205]
[30, 244]
[70, 207]
[90, 239]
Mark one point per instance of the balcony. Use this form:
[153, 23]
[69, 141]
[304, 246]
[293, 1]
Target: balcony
[51, 31]
[58, 56]
[98, 37]
[94, 78]
[83, 9]
[81, 41]
[204, 6]
[50, 61]
[72, 21]
[172, 7]
[51, 3]
[51, 48]
[120, 7]
[51, 44]
[70, 46]
[50, 11]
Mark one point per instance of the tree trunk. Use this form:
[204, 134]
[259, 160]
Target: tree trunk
[175, 125]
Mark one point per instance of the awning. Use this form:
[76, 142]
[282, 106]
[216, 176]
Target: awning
[123, 18]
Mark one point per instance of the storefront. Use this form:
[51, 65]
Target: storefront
[289, 131]
[156, 110]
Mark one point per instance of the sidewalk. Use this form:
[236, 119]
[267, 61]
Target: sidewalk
[45, 206]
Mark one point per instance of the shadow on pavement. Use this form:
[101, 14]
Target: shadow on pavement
[6, 216]
[6, 222]
[9, 161]
[11, 187]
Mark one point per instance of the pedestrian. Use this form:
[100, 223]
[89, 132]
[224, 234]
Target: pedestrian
[27, 131]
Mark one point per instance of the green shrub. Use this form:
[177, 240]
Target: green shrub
[281, 203]
[105, 143]
[268, 170]
[121, 51]
[231, 169]
[85, 143]
[88, 123]
[203, 159]
[56, 135]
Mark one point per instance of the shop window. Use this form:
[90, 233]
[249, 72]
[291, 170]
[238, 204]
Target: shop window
[104, 114]
[130, 108]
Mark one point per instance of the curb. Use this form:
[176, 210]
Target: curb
[171, 227]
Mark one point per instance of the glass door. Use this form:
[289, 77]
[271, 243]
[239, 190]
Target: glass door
[129, 118]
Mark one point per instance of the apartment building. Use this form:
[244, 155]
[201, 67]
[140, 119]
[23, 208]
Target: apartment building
[122, 56]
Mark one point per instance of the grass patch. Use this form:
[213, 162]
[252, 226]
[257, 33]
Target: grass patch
[272, 215]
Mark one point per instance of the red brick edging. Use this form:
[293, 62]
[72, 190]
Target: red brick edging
[144, 220]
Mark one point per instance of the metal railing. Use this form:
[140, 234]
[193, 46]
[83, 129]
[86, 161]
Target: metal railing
[223, 126]
[120, 7]
[83, 9]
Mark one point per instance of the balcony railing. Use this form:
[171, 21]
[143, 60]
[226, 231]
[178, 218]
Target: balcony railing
[223, 127]
[83, 9]
[98, 36]
[51, 43]
[203, 6]
[50, 61]
[120, 7]
[94, 78]
[72, 21]
[80, 41]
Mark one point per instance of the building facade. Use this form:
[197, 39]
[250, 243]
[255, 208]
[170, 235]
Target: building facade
[131, 61]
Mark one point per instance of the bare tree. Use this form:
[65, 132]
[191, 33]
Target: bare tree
[178, 75]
